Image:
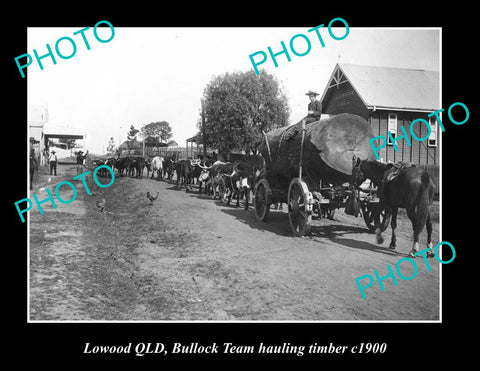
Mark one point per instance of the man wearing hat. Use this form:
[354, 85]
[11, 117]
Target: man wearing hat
[52, 159]
[314, 107]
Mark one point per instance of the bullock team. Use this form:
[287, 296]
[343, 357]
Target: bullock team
[217, 179]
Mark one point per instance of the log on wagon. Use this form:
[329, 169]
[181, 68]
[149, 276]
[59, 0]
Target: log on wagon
[308, 167]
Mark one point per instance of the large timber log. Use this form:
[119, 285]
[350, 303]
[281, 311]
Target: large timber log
[329, 146]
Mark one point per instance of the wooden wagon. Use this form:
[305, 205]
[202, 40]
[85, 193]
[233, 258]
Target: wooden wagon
[309, 166]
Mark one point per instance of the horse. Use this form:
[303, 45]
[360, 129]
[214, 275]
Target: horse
[412, 189]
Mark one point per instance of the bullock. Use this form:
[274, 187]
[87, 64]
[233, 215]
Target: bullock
[218, 171]
[96, 163]
[157, 165]
[111, 162]
[244, 176]
[183, 169]
[204, 179]
[139, 164]
[168, 167]
[132, 167]
[148, 165]
[202, 173]
[123, 164]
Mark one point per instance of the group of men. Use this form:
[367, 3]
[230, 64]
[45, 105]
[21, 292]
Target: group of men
[52, 159]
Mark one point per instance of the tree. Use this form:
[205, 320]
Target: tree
[238, 107]
[111, 147]
[156, 133]
[132, 137]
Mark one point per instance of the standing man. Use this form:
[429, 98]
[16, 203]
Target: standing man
[81, 157]
[314, 108]
[53, 162]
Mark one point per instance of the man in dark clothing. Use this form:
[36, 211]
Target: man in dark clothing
[314, 114]
[314, 108]
[81, 157]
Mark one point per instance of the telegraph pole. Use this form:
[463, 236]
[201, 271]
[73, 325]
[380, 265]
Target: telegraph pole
[203, 132]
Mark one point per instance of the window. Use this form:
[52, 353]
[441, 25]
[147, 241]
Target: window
[392, 127]
[432, 139]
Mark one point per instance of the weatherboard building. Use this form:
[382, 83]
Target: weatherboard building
[389, 98]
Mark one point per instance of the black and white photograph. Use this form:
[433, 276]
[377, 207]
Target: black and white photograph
[235, 194]
[240, 191]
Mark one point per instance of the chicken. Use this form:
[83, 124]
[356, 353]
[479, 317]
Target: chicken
[101, 203]
[151, 197]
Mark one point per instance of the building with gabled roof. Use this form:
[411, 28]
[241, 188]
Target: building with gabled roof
[388, 98]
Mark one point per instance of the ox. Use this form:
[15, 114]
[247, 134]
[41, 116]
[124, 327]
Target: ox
[109, 162]
[138, 166]
[183, 168]
[202, 173]
[123, 164]
[244, 176]
[131, 169]
[157, 165]
[168, 167]
[148, 165]
[112, 162]
[218, 171]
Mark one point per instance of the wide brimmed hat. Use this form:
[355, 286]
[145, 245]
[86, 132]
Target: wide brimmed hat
[53, 151]
[311, 92]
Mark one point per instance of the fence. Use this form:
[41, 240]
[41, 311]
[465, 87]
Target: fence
[177, 153]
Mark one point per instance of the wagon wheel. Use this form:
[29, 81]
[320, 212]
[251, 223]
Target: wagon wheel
[263, 199]
[300, 202]
[369, 209]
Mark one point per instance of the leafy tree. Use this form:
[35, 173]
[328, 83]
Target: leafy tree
[238, 107]
[156, 133]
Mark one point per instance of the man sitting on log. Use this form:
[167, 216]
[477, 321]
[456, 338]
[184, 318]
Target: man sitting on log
[314, 108]
[314, 114]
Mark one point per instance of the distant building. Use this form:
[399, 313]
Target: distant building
[389, 98]
[40, 130]
[137, 148]
[37, 117]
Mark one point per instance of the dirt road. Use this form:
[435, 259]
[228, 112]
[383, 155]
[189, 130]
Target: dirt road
[190, 258]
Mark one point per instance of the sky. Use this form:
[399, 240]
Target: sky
[145, 75]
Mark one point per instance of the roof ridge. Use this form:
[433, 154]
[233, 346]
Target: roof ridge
[393, 87]
[385, 67]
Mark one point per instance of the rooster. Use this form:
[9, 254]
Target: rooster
[101, 204]
[151, 197]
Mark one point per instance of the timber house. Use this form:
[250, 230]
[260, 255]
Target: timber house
[388, 98]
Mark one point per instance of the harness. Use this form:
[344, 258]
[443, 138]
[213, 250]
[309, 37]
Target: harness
[394, 169]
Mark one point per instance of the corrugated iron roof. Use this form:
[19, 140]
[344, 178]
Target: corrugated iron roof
[392, 88]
